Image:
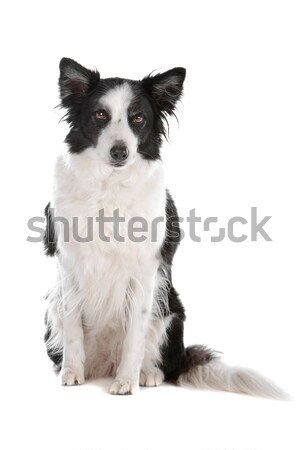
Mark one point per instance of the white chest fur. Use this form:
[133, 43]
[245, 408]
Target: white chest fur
[99, 271]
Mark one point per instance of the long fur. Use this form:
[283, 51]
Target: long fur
[215, 374]
[114, 310]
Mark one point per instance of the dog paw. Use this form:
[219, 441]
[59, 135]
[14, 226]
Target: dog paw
[150, 378]
[122, 386]
[70, 377]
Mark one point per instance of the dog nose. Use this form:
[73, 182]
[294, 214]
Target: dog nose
[119, 153]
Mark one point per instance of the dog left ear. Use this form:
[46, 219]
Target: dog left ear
[166, 88]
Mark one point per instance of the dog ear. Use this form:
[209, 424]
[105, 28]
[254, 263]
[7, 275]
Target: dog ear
[75, 81]
[166, 88]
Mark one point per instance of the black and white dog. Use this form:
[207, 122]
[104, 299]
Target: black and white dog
[114, 311]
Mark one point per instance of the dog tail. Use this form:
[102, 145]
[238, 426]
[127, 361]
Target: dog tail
[203, 368]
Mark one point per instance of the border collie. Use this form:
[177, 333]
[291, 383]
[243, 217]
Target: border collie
[114, 310]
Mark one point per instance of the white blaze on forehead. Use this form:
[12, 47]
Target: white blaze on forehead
[117, 101]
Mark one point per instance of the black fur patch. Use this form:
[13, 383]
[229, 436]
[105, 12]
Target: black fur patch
[173, 351]
[197, 355]
[55, 356]
[173, 233]
[50, 243]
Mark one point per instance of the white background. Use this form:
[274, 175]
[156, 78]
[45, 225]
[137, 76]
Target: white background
[237, 146]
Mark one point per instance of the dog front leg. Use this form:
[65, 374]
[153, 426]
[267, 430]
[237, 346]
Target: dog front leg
[128, 372]
[72, 372]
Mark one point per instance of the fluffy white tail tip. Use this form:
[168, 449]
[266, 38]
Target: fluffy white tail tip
[217, 375]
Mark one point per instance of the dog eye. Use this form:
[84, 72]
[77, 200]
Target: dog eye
[138, 119]
[101, 115]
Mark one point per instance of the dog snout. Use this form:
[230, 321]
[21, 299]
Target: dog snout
[119, 153]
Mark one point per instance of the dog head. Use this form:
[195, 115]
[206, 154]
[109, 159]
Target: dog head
[120, 119]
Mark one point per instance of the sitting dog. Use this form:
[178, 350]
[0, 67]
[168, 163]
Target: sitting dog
[114, 310]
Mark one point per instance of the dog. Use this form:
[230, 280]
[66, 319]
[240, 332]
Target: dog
[114, 310]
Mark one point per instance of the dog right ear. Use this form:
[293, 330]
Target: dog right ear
[75, 81]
